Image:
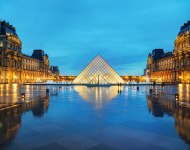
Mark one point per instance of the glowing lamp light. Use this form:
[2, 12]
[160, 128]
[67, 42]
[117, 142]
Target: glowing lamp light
[176, 96]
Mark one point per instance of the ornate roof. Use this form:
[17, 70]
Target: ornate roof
[185, 27]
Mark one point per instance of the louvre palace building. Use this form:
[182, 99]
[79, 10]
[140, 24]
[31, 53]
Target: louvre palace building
[16, 67]
[171, 67]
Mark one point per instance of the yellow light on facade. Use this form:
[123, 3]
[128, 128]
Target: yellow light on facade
[15, 87]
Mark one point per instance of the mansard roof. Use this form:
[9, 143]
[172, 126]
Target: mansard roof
[6, 28]
[185, 27]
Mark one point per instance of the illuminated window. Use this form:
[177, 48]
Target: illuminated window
[1, 43]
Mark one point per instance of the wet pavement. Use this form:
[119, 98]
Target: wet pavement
[91, 118]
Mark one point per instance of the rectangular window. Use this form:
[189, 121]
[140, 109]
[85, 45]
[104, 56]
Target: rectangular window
[1, 43]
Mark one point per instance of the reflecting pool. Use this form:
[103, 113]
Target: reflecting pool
[95, 118]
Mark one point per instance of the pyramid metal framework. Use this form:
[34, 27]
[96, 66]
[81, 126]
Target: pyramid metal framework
[98, 71]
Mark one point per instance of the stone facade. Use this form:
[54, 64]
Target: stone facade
[172, 67]
[160, 66]
[15, 67]
[182, 54]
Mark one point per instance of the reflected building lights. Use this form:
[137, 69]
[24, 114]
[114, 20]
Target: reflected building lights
[10, 93]
[161, 104]
[184, 90]
[10, 119]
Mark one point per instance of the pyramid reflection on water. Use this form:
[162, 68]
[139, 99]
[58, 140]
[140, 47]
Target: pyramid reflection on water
[98, 72]
[98, 97]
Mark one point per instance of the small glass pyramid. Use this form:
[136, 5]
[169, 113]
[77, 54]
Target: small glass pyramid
[98, 72]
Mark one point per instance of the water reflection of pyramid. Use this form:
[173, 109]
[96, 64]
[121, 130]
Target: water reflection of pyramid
[98, 72]
[98, 97]
[95, 94]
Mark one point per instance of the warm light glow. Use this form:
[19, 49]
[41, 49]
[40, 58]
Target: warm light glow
[98, 72]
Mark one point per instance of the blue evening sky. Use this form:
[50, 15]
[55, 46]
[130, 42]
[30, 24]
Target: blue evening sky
[73, 32]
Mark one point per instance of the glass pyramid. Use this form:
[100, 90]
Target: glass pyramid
[98, 72]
